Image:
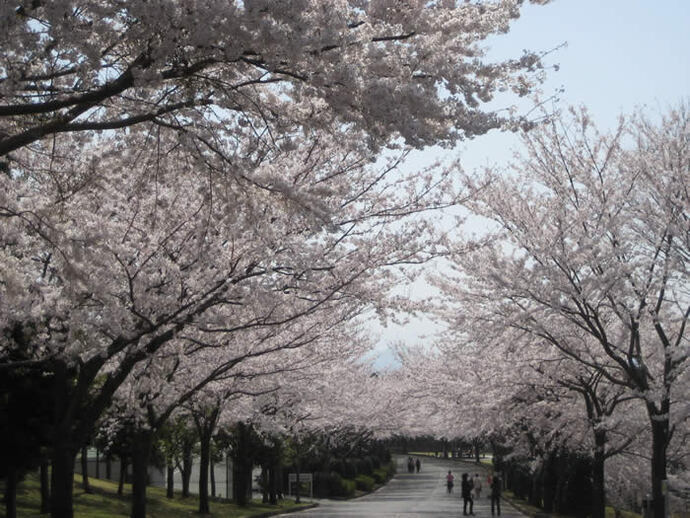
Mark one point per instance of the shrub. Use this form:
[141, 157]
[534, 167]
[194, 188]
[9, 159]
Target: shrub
[331, 484]
[380, 475]
[365, 466]
[349, 469]
[364, 483]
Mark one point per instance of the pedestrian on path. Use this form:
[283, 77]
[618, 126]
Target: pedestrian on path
[496, 494]
[418, 464]
[449, 481]
[466, 488]
[476, 487]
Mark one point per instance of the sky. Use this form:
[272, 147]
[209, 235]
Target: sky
[618, 55]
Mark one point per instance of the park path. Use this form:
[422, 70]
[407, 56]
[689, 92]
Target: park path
[407, 495]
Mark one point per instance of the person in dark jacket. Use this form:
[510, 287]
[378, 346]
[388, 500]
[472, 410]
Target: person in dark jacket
[496, 495]
[466, 487]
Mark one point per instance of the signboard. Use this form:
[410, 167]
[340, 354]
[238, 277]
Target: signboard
[306, 482]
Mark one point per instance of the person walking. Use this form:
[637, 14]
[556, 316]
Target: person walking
[496, 494]
[476, 487]
[466, 487]
[449, 481]
[418, 464]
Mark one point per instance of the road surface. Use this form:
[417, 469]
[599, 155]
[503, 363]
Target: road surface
[407, 495]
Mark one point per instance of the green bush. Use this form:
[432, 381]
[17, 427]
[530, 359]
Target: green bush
[331, 484]
[348, 488]
[349, 469]
[365, 466]
[364, 483]
[380, 475]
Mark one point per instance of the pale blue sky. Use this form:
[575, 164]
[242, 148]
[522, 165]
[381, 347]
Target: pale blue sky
[620, 54]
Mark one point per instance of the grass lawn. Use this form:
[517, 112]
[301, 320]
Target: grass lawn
[530, 510]
[104, 503]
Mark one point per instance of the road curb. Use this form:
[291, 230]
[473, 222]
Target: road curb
[284, 511]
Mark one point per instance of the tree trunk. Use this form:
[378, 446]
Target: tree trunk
[11, 483]
[242, 467]
[45, 486]
[62, 480]
[85, 470]
[264, 485]
[141, 450]
[204, 463]
[536, 488]
[550, 481]
[212, 474]
[297, 495]
[598, 501]
[659, 443]
[108, 467]
[186, 467]
[123, 476]
[273, 484]
[170, 482]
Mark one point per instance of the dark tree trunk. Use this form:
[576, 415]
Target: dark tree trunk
[62, 480]
[660, 431]
[273, 481]
[170, 482]
[212, 474]
[45, 486]
[264, 485]
[205, 421]
[297, 489]
[98, 464]
[598, 501]
[11, 483]
[141, 450]
[242, 466]
[108, 467]
[550, 481]
[85, 470]
[204, 463]
[186, 467]
[536, 488]
[124, 463]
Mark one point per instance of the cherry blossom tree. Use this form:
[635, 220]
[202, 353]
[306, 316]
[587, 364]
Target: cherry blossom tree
[592, 236]
[231, 69]
[169, 170]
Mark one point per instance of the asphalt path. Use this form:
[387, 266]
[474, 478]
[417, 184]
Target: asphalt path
[420, 494]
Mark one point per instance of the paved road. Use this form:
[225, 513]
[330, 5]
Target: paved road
[406, 495]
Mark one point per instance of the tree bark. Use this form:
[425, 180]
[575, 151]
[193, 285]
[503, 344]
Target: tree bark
[11, 483]
[212, 474]
[141, 450]
[85, 470]
[273, 483]
[660, 429]
[62, 479]
[170, 482]
[297, 489]
[598, 502]
[264, 485]
[204, 463]
[123, 476]
[45, 486]
[186, 467]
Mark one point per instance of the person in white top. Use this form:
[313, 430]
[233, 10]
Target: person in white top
[476, 487]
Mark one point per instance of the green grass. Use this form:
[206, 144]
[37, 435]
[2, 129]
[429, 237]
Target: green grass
[103, 502]
[611, 513]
